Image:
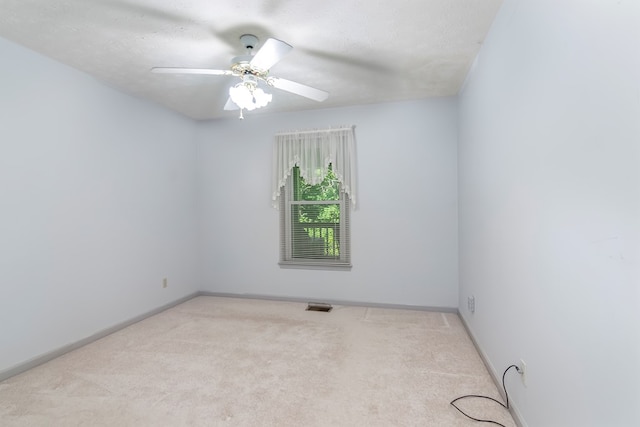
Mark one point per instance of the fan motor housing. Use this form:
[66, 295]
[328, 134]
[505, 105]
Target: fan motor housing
[241, 65]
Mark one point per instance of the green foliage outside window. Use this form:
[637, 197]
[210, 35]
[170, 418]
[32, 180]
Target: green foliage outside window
[325, 215]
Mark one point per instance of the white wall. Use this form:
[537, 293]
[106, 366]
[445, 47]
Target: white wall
[97, 205]
[407, 183]
[549, 185]
[100, 197]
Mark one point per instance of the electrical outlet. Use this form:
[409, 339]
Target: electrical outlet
[471, 304]
[522, 369]
[165, 282]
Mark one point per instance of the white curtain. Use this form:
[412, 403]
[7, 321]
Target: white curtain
[312, 151]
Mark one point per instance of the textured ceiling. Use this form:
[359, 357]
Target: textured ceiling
[360, 51]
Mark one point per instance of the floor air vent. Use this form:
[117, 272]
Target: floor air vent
[319, 306]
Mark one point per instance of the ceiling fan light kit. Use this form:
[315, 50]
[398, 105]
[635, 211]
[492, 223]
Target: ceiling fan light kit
[248, 96]
[253, 69]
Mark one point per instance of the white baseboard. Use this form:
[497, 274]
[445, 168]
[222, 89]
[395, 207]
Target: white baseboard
[46, 357]
[497, 378]
[329, 301]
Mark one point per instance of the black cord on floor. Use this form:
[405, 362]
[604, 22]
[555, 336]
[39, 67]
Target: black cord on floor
[504, 405]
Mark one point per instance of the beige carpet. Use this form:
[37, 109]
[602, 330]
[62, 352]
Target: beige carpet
[239, 362]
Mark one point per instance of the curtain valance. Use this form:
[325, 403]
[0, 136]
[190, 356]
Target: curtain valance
[312, 151]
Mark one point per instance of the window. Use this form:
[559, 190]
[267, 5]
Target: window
[313, 184]
[314, 222]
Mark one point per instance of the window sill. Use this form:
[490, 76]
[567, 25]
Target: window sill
[314, 265]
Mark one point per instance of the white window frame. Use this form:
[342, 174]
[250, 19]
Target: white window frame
[286, 245]
[314, 152]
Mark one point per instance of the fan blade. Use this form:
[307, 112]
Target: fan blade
[230, 105]
[177, 70]
[272, 51]
[298, 89]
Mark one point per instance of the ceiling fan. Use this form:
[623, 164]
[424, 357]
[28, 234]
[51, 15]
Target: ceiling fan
[251, 70]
